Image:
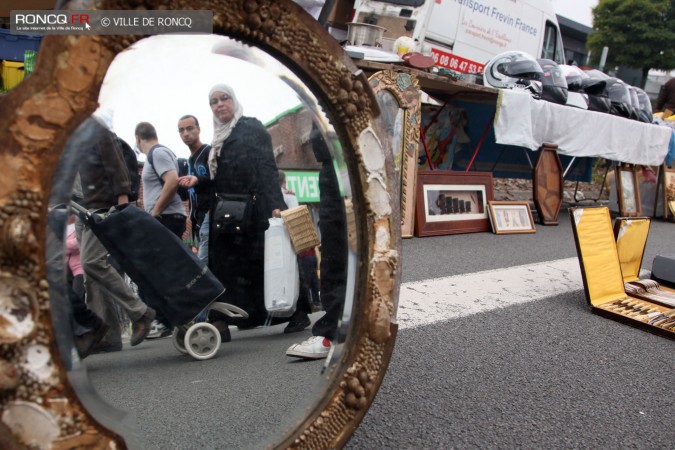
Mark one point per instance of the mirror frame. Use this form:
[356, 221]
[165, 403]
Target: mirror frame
[405, 88]
[39, 116]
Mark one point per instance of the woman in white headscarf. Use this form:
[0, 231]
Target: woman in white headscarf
[242, 163]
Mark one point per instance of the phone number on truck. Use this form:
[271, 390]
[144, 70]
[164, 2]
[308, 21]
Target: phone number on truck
[454, 62]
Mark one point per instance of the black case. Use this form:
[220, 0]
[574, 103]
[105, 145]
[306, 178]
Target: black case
[663, 270]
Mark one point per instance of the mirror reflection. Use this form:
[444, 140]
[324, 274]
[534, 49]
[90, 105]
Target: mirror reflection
[207, 244]
[392, 122]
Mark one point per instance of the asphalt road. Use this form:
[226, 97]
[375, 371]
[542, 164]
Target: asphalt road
[542, 374]
[545, 374]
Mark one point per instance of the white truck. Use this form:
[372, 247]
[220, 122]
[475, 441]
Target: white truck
[463, 35]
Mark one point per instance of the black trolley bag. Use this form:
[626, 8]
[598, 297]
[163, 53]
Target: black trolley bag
[170, 277]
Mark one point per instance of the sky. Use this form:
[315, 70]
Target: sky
[162, 78]
[577, 10]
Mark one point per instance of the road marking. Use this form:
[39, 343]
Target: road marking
[429, 301]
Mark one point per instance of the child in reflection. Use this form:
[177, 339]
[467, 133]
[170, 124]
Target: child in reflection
[86, 341]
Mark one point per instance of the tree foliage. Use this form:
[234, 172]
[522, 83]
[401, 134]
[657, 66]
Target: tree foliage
[638, 33]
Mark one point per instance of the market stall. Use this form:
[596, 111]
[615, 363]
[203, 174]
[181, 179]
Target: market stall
[502, 132]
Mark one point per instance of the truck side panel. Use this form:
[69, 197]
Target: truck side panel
[463, 35]
[478, 30]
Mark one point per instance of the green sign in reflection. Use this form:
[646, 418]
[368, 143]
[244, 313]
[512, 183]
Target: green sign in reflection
[305, 185]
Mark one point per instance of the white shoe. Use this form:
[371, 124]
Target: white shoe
[158, 330]
[316, 347]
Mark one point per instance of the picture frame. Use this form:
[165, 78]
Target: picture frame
[509, 217]
[450, 202]
[628, 190]
[398, 95]
[669, 193]
[659, 208]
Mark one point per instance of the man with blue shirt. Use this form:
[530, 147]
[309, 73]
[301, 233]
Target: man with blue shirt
[200, 196]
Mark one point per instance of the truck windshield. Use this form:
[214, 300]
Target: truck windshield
[412, 3]
[552, 48]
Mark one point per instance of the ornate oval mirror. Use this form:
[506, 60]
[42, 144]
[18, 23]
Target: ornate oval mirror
[296, 81]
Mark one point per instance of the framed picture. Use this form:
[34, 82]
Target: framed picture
[398, 96]
[511, 217]
[452, 202]
[669, 192]
[628, 191]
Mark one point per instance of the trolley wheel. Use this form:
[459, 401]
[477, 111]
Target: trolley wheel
[179, 339]
[202, 340]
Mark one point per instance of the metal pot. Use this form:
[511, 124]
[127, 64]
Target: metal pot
[365, 34]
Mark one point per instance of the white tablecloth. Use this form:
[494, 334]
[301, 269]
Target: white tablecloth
[526, 122]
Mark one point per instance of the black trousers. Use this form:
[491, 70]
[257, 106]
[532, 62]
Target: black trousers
[174, 222]
[83, 315]
[333, 267]
[308, 267]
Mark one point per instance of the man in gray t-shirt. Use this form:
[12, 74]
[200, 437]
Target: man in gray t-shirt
[160, 181]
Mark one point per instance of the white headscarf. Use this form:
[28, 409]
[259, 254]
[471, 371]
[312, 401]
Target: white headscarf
[221, 131]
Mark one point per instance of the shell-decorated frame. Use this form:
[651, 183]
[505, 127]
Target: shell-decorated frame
[39, 407]
[405, 89]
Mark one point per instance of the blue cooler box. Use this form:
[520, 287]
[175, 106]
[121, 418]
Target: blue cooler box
[13, 46]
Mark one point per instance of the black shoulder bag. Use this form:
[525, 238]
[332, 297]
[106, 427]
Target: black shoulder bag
[235, 213]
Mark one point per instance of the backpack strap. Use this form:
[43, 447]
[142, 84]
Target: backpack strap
[152, 149]
[182, 193]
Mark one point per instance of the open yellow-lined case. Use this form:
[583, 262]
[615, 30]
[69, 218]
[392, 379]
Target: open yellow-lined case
[602, 266]
[631, 240]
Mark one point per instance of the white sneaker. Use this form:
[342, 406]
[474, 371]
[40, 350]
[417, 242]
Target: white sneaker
[316, 347]
[158, 330]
